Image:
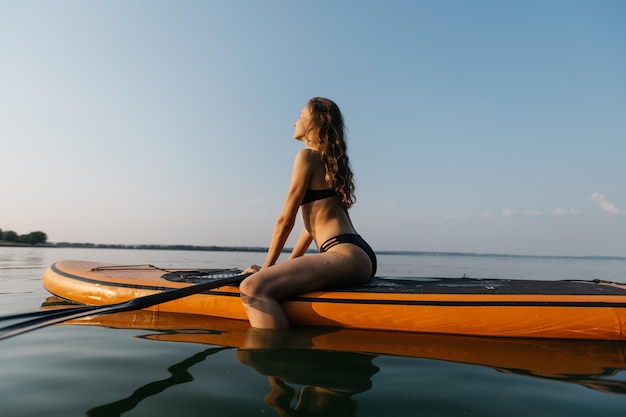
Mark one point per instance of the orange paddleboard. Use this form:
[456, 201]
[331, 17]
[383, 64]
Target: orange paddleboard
[459, 306]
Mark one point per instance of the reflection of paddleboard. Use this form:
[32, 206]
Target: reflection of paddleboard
[586, 362]
[482, 307]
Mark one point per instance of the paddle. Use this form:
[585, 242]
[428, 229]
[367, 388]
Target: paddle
[51, 317]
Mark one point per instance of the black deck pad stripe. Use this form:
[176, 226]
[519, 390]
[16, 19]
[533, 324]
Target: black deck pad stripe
[457, 286]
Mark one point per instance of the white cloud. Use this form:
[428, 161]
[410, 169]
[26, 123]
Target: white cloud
[507, 213]
[604, 205]
[564, 212]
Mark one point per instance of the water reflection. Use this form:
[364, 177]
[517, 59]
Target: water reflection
[179, 375]
[329, 380]
[315, 353]
[320, 371]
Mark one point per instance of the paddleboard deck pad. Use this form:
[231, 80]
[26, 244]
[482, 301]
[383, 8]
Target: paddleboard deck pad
[461, 306]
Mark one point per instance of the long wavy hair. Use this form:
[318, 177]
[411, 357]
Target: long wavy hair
[327, 123]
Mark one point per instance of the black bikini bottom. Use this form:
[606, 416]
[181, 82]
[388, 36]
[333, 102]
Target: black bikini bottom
[355, 240]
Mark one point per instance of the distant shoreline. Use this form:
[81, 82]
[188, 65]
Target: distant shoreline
[15, 244]
[213, 248]
[144, 247]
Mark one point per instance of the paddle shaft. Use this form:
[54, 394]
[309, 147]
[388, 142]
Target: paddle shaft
[135, 304]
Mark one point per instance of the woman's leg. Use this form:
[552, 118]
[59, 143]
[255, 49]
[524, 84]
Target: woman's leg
[261, 292]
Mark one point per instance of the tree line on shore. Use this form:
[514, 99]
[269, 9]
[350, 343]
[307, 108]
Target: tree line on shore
[158, 247]
[33, 238]
[39, 238]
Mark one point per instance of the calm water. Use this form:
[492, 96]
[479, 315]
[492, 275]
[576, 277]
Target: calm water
[182, 369]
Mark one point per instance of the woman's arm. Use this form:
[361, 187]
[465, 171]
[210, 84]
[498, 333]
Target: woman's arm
[303, 243]
[300, 178]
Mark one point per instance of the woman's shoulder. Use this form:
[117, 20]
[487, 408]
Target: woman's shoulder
[309, 161]
[308, 156]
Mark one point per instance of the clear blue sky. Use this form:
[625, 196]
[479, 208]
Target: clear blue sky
[474, 126]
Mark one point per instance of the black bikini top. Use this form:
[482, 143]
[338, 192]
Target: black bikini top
[314, 195]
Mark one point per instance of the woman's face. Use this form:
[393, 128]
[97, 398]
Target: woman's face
[303, 124]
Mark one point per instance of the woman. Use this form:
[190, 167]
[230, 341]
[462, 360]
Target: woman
[322, 187]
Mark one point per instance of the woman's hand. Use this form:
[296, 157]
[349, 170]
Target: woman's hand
[252, 269]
